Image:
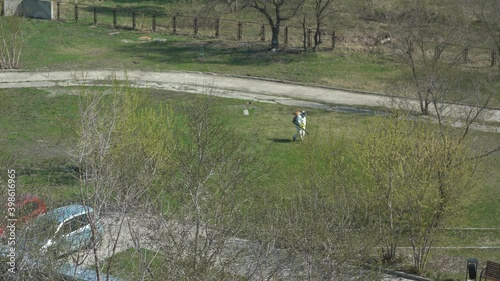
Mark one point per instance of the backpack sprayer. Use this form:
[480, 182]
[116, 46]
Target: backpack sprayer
[294, 121]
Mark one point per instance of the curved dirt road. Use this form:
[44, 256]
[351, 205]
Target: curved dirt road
[254, 89]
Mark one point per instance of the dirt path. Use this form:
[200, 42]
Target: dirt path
[262, 90]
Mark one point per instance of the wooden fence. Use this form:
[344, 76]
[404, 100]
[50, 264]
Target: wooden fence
[195, 26]
[291, 37]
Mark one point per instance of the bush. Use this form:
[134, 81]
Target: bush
[11, 42]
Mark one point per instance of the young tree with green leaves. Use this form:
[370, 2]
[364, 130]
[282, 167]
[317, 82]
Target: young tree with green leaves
[419, 179]
[323, 223]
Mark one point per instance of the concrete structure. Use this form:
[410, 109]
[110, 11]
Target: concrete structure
[12, 7]
[38, 9]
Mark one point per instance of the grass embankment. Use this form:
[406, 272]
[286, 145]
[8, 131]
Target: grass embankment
[69, 46]
[39, 127]
[52, 45]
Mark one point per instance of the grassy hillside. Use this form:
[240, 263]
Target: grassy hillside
[69, 46]
[39, 126]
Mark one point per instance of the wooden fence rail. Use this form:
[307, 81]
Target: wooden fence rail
[244, 30]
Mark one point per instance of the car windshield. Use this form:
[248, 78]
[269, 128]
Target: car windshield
[37, 233]
[42, 228]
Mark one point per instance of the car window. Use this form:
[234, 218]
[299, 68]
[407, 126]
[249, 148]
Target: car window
[74, 224]
[44, 226]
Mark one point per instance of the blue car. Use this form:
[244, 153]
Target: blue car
[71, 272]
[67, 229]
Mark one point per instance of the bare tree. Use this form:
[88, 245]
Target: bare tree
[322, 9]
[212, 165]
[12, 41]
[122, 155]
[427, 45]
[303, 24]
[186, 173]
[276, 12]
[324, 224]
[488, 12]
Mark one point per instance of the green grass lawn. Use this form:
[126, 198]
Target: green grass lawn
[70, 46]
[144, 264]
[131, 264]
[52, 45]
[39, 126]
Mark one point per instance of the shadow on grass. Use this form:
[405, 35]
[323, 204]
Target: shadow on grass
[152, 1]
[51, 173]
[280, 140]
[209, 52]
[121, 11]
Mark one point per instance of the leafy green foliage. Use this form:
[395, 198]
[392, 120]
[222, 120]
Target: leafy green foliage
[304, 182]
[420, 178]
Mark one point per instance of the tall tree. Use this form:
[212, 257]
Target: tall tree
[488, 12]
[322, 9]
[420, 178]
[430, 46]
[276, 12]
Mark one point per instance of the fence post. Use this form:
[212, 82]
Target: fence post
[195, 27]
[58, 10]
[493, 57]
[154, 23]
[239, 30]
[465, 54]
[262, 33]
[76, 13]
[114, 18]
[333, 39]
[309, 37]
[286, 35]
[217, 28]
[174, 24]
[133, 20]
[95, 15]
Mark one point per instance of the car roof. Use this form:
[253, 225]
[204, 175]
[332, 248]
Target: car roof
[63, 213]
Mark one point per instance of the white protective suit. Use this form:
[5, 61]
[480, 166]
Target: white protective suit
[300, 125]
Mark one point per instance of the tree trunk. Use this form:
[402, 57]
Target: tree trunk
[424, 107]
[304, 34]
[317, 35]
[275, 38]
